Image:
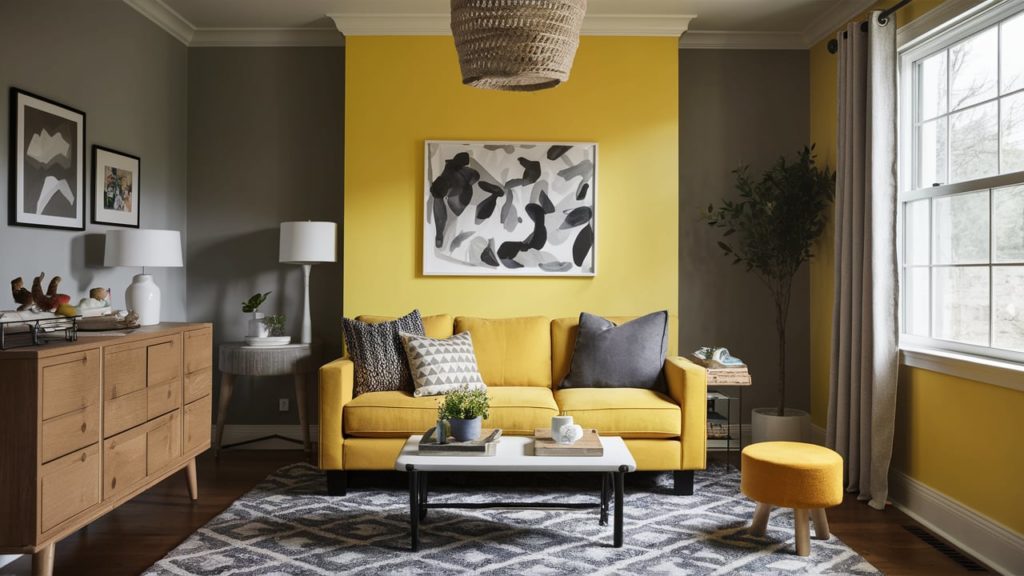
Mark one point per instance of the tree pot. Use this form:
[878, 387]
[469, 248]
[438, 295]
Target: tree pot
[767, 426]
[464, 430]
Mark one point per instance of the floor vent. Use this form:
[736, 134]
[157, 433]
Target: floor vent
[950, 552]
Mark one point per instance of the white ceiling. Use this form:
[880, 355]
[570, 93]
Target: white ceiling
[715, 23]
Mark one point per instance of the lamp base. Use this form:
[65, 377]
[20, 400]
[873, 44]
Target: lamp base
[143, 298]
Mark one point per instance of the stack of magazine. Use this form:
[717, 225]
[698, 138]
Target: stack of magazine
[485, 445]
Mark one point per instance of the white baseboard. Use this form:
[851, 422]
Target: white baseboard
[235, 433]
[990, 542]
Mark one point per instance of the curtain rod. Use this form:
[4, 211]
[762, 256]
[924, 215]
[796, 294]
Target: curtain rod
[883, 18]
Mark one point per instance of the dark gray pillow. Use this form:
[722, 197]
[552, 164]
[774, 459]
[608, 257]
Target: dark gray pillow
[630, 355]
[378, 355]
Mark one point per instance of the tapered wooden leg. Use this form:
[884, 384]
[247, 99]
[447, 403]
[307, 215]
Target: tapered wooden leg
[42, 561]
[227, 384]
[802, 527]
[820, 524]
[193, 486]
[760, 522]
[300, 399]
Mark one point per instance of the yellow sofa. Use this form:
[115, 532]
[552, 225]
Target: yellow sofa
[522, 360]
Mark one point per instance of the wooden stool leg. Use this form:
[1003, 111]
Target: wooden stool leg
[820, 524]
[42, 561]
[300, 399]
[802, 526]
[760, 522]
[193, 485]
[227, 384]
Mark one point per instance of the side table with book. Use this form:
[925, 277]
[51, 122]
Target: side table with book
[723, 371]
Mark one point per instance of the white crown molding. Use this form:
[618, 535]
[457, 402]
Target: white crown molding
[439, 24]
[266, 37]
[165, 17]
[978, 535]
[827, 24]
[741, 40]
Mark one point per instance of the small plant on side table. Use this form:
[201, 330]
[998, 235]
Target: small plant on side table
[256, 327]
[464, 410]
[274, 324]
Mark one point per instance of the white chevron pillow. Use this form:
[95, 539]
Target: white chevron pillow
[439, 366]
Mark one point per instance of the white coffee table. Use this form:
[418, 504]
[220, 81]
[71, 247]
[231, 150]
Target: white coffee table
[515, 454]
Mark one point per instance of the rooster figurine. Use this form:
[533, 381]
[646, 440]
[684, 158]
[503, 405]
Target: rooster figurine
[21, 294]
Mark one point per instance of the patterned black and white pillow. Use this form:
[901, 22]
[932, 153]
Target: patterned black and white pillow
[440, 365]
[377, 353]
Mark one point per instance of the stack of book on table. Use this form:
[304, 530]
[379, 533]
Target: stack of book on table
[485, 445]
[728, 376]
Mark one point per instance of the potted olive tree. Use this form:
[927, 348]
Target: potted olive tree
[771, 230]
[464, 410]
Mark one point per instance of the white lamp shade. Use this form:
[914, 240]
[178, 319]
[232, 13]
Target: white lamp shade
[308, 242]
[159, 248]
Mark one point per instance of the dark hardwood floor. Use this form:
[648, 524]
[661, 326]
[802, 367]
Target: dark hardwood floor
[134, 536]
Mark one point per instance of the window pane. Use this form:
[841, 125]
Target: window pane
[932, 167]
[973, 69]
[1008, 221]
[932, 84]
[1008, 294]
[1012, 48]
[915, 301]
[916, 232]
[960, 228]
[974, 143]
[1012, 132]
[960, 305]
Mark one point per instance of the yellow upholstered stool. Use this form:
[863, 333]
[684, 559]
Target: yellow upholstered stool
[804, 477]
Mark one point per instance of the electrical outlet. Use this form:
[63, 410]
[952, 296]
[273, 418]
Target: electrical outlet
[282, 405]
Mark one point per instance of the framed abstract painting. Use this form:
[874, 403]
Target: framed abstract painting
[509, 208]
[115, 187]
[47, 181]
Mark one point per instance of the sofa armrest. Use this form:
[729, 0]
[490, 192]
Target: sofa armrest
[688, 386]
[335, 391]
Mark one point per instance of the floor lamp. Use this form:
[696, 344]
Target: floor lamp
[307, 243]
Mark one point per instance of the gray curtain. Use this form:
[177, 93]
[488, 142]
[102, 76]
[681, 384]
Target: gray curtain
[862, 386]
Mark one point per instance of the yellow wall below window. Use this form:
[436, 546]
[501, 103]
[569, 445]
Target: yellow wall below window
[622, 94]
[960, 437]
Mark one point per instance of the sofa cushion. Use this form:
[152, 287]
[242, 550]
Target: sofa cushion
[511, 351]
[563, 342]
[610, 355]
[436, 326]
[626, 412]
[515, 409]
[442, 365]
[377, 353]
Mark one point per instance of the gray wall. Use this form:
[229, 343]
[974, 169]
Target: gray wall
[128, 76]
[738, 107]
[265, 146]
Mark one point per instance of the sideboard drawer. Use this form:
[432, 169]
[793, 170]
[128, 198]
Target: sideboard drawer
[198, 384]
[198, 423]
[198, 350]
[124, 412]
[70, 382]
[124, 461]
[68, 486]
[163, 398]
[124, 370]
[163, 442]
[67, 433]
[163, 362]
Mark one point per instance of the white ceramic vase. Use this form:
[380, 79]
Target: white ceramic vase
[767, 426]
[257, 329]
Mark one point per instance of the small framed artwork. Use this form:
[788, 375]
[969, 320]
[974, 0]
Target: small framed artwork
[47, 167]
[115, 187]
[510, 208]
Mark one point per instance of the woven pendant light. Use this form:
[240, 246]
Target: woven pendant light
[521, 45]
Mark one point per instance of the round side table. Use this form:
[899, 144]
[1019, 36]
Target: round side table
[238, 359]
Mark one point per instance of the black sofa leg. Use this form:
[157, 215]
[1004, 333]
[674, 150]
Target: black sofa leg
[337, 482]
[683, 481]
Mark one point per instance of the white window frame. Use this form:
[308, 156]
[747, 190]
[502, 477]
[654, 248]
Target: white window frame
[961, 359]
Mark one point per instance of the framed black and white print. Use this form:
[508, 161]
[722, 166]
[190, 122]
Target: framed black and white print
[47, 183]
[509, 208]
[115, 187]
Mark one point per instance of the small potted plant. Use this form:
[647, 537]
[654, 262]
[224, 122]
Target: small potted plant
[257, 329]
[464, 410]
[274, 324]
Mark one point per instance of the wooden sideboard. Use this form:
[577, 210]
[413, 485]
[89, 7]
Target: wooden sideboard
[87, 425]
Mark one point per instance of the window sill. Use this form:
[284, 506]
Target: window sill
[987, 370]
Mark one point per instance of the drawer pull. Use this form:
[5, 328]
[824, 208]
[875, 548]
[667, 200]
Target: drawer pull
[168, 393]
[83, 456]
[84, 426]
[113, 483]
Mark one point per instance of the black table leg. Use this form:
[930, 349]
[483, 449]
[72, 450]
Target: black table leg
[423, 494]
[620, 478]
[414, 505]
[605, 496]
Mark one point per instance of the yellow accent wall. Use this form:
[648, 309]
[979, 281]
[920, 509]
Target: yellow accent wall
[959, 437]
[622, 94]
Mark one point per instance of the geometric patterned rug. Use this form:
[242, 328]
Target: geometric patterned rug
[287, 525]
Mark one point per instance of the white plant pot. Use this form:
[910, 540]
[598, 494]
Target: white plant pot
[767, 426]
[257, 329]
